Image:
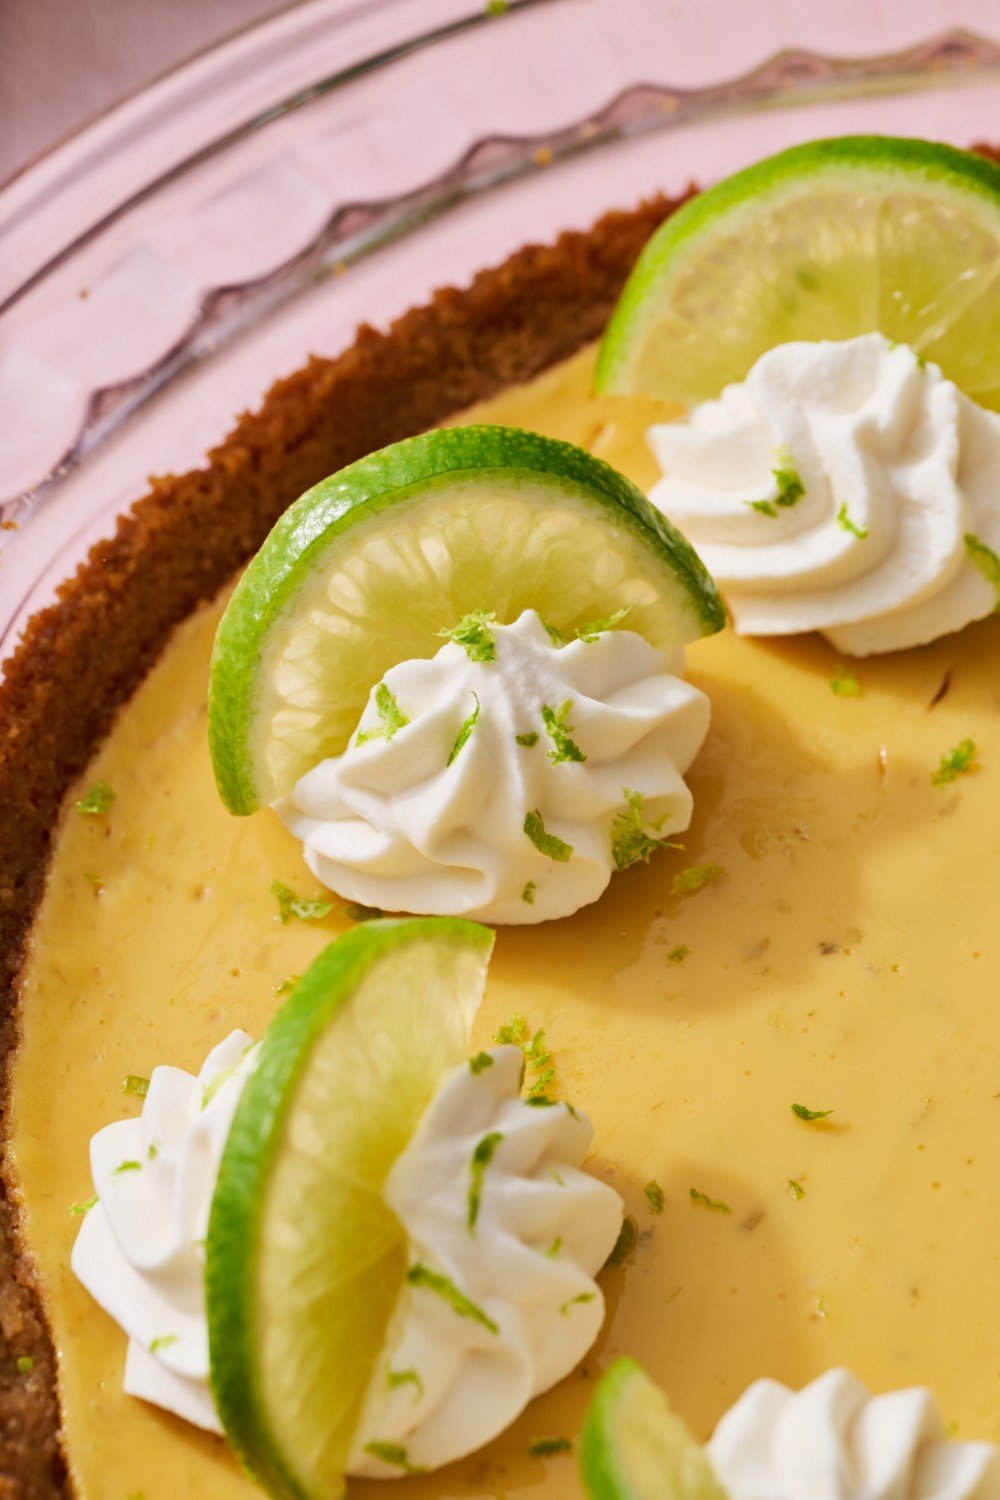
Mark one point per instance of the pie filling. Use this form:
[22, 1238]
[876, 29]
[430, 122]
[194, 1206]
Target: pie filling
[803, 997]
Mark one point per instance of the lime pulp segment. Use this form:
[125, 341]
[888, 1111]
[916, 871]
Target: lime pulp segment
[304, 1260]
[634, 1447]
[368, 567]
[824, 241]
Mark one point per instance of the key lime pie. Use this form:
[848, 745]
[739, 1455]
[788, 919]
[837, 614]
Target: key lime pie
[511, 1003]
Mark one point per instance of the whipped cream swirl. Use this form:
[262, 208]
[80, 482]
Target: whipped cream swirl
[491, 1195]
[505, 1235]
[490, 788]
[835, 1441]
[848, 488]
[140, 1249]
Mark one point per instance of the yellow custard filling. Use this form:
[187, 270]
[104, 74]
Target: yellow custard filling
[844, 958]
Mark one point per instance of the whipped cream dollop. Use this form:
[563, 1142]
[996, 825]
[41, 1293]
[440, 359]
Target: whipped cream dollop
[140, 1249]
[499, 783]
[848, 488]
[506, 1235]
[835, 1441]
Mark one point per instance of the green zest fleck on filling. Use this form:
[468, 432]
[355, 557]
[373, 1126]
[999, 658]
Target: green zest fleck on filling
[546, 843]
[986, 560]
[97, 800]
[845, 684]
[686, 882]
[629, 840]
[480, 1062]
[285, 986]
[517, 1033]
[481, 1158]
[628, 1236]
[576, 1301]
[597, 628]
[392, 1453]
[25, 1364]
[528, 894]
[389, 712]
[844, 520]
[802, 1113]
[468, 725]
[678, 955]
[527, 739]
[713, 1205]
[555, 1247]
[83, 1208]
[163, 1342]
[795, 1189]
[654, 1194]
[133, 1084]
[407, 1377]
[955, 763]
[290, 905]
[475, 635]
[559, 731]
[548, 1447]
[127, 1166]
[433, 1281]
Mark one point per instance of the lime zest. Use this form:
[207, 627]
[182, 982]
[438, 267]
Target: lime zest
[480, 1063]
[630, 842]
[389, 711]
[527, 739]
[548, 844]
[548, 1447]
[654, 1196]
[481, 1158]
[528, 894]
[83, 1208]
[396, 1378]
[577, 1300]
[97, 801]
[986, 560]
[555, 1247]
[442, 1286]
[802, 1112]
[286, 985]
[794, 1189]
[679, 954]
[164, 1341]
[393, 1453]
[290, 905]
[788, 480]
[595, 628]
[713, 1205]
[957, 762]
[844, 521]
[474, 634]
[127, 1166]
[133, 1084]
[467, 726]
[554, 633]
[559, 731]
[686, 882]
[25, 1364]
[844, 683]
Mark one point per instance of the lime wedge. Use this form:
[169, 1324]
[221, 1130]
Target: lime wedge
[633, 1447]
[304, 1259]
[368, 567]
[825, 241]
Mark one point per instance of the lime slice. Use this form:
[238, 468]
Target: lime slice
[366, 568]
[825, 241]
[633, 1447]
[304, 1258]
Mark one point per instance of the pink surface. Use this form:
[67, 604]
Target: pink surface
[241, 242]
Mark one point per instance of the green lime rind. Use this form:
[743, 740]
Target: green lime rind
[260, 1260]
[818, 277]
[634, 1447]
[385, 497]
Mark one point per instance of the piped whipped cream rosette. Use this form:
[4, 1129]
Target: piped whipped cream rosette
[507, 777]
[468, 1199]
[845, 487]
[832, 1440]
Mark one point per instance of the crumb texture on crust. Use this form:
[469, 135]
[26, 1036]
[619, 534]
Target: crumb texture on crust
[81, 658]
